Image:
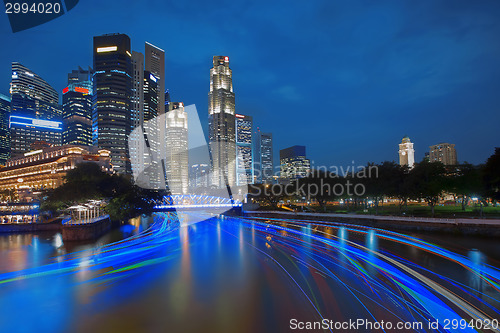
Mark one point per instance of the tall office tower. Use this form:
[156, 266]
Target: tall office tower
[35, 112]
[267, 157]
[112, 116]
[293, 163]
[33, 86]
[167, 100]
[137, 109]
[444, 153]
[263, 157]
[77, 108]
[155, 64]
[244, 150]
[151, 129]
[4, 129]
[81, 77]
[176, 144]
[198, 176]
[221, 124]
[406, 153]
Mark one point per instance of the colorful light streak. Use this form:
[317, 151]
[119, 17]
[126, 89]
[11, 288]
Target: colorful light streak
[321, 265]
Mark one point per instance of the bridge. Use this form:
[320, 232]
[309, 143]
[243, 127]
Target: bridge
[189, 201]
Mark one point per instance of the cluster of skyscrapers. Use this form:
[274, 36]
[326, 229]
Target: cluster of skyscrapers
[120, 105]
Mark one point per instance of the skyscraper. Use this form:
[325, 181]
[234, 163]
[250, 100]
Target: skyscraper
[263, 157]
[35, 112]
[112, 116]
[167, 100]
[4, 129]
[293, 163]
[151, 128]
[155, 64]
[137, 109]
[406, 153]
[77, 108]
[244, 150]
[221, 123]
[176, 144]
[198, 177]
[25, 81]
[444, 153]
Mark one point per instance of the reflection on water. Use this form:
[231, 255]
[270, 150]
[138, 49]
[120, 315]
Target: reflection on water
[234, 275]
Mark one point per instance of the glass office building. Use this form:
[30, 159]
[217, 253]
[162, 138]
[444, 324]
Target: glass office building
[111, 115]
[77, 108]
[4, 129]
[244, 150]
[35, 113]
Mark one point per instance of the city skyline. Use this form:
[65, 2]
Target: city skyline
[350, 132]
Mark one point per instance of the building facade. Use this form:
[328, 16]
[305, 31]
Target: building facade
[198, 177]
[155, 64]
[444, 153]
[112, 115]
[77, 108]
[25, 81]
[263, 157]
[35, 114]
[293, 163]
[45, 168]
[221, 123]
[4, 129]
[176, 146]
[406, 153]
[244, 150]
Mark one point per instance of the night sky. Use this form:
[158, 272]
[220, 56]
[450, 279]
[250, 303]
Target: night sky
[347, 79]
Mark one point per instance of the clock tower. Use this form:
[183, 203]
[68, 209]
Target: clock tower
[406, 153]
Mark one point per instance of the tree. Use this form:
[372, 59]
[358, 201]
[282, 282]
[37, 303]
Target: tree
[88, 182]
[465, 181]
[384, 182]
[491, 176]
[318, 186]
[270, 194]
[428, 181]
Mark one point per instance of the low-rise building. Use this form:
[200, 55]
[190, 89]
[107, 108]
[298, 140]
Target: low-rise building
[46, 168]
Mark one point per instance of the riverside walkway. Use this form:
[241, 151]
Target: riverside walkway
[483, 227]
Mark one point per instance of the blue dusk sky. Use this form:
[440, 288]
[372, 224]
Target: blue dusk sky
[347, 79]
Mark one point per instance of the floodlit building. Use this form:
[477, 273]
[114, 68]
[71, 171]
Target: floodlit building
[244, 150]
[264, 158]
[155, 64]
[293, 163]
[35, 114]
[198, 176]
[4, 129]
[45, 168]
[444, 153]
[406, 153]
[77, 108]
[112, 116]
[176, 145]
[221, 123]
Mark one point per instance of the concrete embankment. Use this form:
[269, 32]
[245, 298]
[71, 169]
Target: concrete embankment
[479, 227]
[86, 231]
[30, 227]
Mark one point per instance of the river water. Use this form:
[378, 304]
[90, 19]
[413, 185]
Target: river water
[166, 273]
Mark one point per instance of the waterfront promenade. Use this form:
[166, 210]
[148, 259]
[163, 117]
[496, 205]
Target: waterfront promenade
[465, 226]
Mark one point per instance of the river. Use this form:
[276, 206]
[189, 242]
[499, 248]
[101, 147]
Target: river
[166, 273]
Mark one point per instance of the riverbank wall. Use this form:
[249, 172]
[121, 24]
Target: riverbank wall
[29, 227]
[86, 231]
[477, 227]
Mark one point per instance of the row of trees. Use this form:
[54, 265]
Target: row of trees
[88, 182]
[426, 181]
